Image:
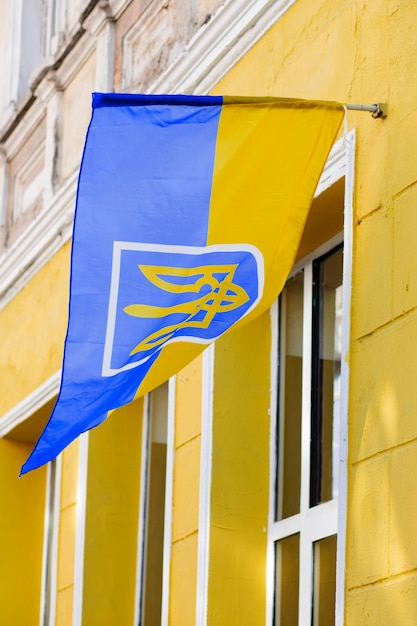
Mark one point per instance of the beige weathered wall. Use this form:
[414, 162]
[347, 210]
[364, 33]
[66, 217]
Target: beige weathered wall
[20, 214]
[161, 31]
[76, 113]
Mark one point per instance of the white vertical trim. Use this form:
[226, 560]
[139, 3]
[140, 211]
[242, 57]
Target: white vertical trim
[51, 524]
[55, 530]
[105, 58]
[169, 483]
[205, 486]
[350, 139]
[46, 529]
[30, 404]
[141, 509]
[305, 566]
[80, 531]
[306, 388]
[281, 348]
[3, 187]
[274, 372]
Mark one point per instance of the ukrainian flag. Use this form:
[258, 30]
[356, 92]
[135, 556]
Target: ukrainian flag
[189, 214]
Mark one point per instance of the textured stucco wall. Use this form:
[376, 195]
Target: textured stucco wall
[364, 52]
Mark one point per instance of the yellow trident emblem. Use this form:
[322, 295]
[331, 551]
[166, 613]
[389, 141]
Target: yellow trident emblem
[223, 296]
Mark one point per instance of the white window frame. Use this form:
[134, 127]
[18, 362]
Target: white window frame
[15, 56]
[169, 481]
[54, 22]
[205, 486]
[328, 518]
[50, 543]
[77, 615]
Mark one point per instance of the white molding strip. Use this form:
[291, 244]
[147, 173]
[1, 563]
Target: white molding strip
[80, 531]
[205, 487]
[54, 556]
[45, 550]
[306, 556]
[86, 46]
[141, 510]
[169, 486]
[218, 45]
[49, 231]
[30, 404]
[273, 386]
[117, 7]
[350, 142]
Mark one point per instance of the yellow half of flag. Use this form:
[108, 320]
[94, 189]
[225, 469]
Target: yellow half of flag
[269, 156]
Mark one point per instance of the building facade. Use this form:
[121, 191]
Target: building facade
[271, 481]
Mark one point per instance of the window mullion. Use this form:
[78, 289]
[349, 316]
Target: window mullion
[281, 403]
[286, 527]
[168, 500]
[306, 390]
[322, 520]
[140, 557]
[305, 575]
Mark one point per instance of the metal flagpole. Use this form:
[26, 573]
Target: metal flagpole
[378, 110]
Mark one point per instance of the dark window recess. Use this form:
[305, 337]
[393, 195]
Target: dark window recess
[325, 372]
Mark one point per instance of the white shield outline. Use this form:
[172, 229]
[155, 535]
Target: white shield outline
[120, 246]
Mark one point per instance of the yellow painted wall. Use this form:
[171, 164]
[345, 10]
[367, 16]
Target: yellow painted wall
[112, 518]
[21, 536]
[240, 477]
[183, 584]
[32, 332]
[365, 52]
[67, 534]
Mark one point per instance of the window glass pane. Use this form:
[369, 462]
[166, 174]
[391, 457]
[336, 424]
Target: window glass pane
[53, 17]
[154, 537]
[324, 582]
[290, 398]
[326, 362]
[287, 555]
[31, 40]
